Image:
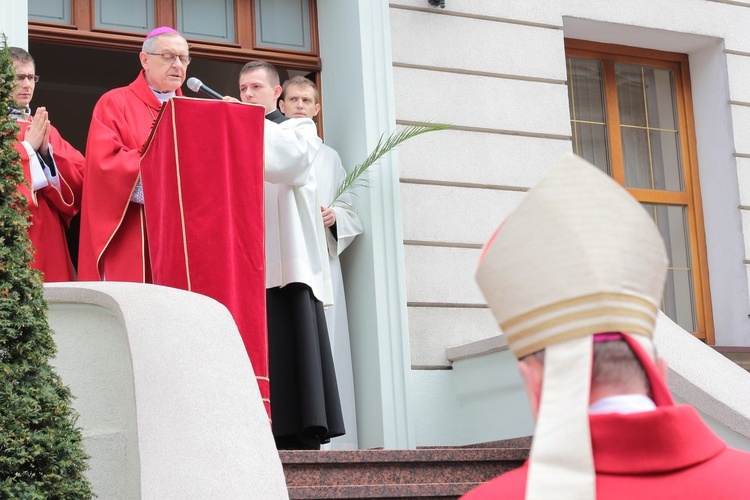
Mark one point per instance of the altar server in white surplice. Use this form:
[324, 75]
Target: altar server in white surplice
[305, 406]
[300, 99]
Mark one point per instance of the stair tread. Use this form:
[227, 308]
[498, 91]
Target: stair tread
[420, 455]
[413, 490]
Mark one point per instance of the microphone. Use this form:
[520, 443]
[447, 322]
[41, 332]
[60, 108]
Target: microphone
[197, 86]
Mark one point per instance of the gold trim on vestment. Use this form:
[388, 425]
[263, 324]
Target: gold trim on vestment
[142, 217]
[179, 197]
[62, 197]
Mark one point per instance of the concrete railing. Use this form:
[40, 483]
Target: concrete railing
[168, 401]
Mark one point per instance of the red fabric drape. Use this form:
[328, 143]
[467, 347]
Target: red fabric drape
[202, 173]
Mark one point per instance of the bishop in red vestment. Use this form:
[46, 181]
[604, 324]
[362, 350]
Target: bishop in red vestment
[113, 244]
[574, 277]
[54, 172]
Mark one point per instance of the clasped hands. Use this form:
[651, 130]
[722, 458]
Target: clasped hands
[37, 134]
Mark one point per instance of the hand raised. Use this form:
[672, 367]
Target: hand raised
[37, 134]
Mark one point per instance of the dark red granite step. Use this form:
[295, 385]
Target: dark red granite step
[422, 473]
[400, 491]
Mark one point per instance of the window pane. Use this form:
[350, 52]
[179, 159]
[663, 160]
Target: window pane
[50, 11]
[648, 119]
[630, 94]
[283, 24]
[636, 158]
[585, 90]
[588, 111]
[206, 19]
[590, 142]
[679, 300]
[659, 90]
[666, 161]
[137, 15]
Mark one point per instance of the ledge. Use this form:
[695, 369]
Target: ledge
[479, 348]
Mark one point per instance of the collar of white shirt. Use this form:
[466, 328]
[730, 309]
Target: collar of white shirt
[622, 403]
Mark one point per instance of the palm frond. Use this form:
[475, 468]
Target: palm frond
[383, 147]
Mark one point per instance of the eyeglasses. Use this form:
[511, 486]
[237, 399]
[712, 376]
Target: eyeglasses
[21, 78]
[170, 58]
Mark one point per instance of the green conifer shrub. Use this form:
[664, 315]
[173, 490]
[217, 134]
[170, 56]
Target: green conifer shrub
[41, 451]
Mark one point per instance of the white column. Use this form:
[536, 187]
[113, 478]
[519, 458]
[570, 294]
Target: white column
[359, 107]
[14, 22]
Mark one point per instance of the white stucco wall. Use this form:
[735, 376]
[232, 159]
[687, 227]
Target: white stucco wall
[496, 71]
[13, 19]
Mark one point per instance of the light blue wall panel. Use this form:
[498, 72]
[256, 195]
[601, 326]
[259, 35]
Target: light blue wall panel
[50, 11]
[283, 24]
[134, 15]
[206, 19]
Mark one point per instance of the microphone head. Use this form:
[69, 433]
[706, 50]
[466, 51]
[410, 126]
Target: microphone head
[194, 84]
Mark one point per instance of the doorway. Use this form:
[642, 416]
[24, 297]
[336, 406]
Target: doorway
[73, 78]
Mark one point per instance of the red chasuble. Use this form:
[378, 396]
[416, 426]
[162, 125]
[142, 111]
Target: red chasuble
[113, 232]
[202, 174]
[666, 453]
[51, 209]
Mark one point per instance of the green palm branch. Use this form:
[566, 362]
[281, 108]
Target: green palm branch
[384, 146]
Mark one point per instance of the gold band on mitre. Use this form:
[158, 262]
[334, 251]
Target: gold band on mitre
[579, 317]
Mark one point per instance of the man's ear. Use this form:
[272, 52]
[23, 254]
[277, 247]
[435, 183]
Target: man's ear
[277, 91]
[317, 109]
[532, 373]
[281, 106]
[661, 364]
[144, 59]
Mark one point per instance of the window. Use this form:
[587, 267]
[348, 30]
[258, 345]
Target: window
[282, 32]
[631, 116]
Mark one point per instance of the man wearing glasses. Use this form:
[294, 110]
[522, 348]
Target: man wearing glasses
[113, 243]
[54, 172]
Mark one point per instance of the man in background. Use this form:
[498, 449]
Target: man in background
[574, 277]
[300, 99]
[54, 172]
[305, 406]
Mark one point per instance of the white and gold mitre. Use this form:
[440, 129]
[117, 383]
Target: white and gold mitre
[577, 257]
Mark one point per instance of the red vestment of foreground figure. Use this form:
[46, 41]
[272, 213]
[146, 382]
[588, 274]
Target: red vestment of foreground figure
[202, 173]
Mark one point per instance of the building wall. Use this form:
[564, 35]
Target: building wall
[496, 72]
[13, 14]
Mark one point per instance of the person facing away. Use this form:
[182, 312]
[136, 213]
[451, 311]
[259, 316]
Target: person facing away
[574, 277]
[54, 171]
[113, 240]
[300, 99]
[305, 405]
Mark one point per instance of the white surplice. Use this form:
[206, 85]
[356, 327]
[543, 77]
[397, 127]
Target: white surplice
[329, 173]
[295, 243]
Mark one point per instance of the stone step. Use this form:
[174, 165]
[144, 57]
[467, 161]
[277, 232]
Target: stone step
[400, 491]
[422, 473]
